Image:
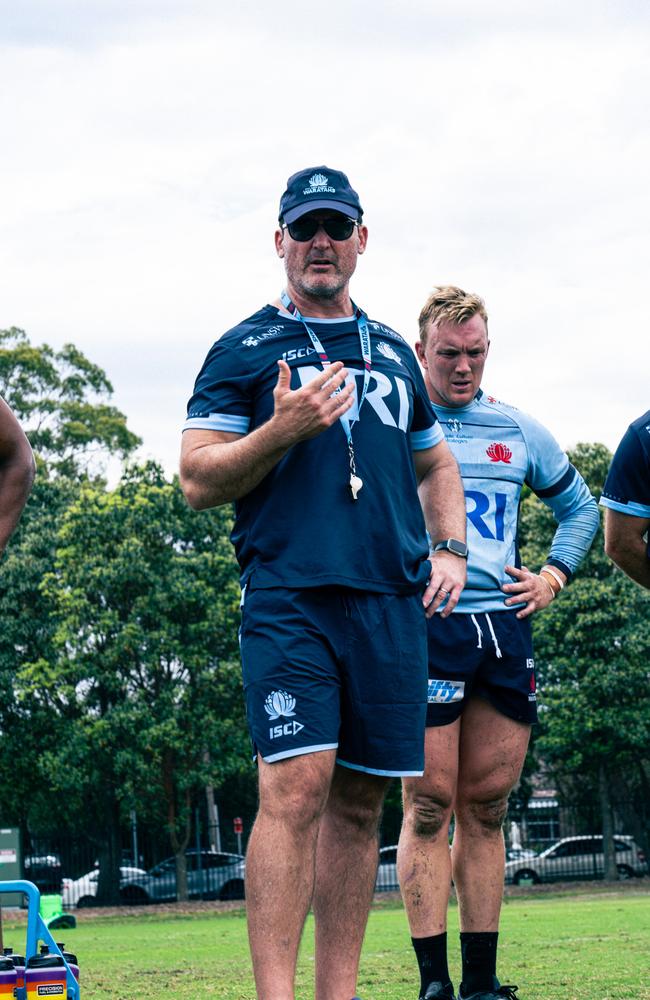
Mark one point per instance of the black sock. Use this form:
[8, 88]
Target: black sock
[431, 953]
[479, 956]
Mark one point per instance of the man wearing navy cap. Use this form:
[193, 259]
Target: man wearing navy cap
[315, 420]
[626, 497]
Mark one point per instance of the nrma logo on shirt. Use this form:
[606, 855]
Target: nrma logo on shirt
[444, 692]
[381, 390]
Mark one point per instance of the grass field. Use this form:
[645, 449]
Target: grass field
[588, 946]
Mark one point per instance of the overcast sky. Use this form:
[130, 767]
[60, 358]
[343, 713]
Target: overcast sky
[500, 146]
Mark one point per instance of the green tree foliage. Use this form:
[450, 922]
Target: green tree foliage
[592, 653]
[61, 399]
[145, 598]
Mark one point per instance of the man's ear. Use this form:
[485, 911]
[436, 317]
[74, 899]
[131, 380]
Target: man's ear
[419, 350]
[279, 243]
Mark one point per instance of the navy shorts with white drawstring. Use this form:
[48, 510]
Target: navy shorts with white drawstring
[481, 655]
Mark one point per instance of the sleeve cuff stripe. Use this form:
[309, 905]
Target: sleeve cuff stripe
[631, 508]
[427, 438]
[218, 422]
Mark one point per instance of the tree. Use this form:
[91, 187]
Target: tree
[592, 653]
[61, 399]
[146, 598]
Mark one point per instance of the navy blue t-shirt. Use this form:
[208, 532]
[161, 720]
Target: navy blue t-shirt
[627, 487]
[299, 527]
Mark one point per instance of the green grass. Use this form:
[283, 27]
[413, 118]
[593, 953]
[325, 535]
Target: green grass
[571, 947]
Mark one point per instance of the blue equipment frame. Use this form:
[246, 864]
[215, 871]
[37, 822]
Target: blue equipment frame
[37, 930]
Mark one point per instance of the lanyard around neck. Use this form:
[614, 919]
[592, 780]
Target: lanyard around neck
[366, 353]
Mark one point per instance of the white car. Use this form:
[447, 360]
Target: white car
[578, 858]
[82, 891]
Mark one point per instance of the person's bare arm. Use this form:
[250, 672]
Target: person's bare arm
[217, 467]
[626, 545]
[443, 503]
[16, 472]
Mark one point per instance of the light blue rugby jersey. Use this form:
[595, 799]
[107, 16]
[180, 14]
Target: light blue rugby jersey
[498, 449]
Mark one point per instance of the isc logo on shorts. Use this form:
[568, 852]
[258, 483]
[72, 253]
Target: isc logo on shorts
[288, 729]
[443, 692]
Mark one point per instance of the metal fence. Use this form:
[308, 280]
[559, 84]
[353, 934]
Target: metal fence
[544, 843]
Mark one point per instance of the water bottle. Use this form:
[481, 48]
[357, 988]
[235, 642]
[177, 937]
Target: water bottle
[19, 965]
[8, 978]
[71, 959]
[45, 976]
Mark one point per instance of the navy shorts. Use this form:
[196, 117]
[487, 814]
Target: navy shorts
[486, 655]
[334, 668]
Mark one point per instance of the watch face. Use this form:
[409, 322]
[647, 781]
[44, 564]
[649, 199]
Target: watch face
[453, 545]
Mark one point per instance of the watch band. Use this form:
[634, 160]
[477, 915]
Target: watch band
[453, 545]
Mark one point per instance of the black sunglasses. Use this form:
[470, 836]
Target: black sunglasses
[338, 227]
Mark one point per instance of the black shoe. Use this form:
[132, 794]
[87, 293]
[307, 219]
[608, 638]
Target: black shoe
[436, 991]
[498, 992]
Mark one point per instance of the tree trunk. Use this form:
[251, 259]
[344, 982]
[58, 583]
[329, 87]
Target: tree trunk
[214, 832]
[110, 856]
[611, 871]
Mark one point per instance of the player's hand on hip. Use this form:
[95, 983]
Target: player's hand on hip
[448, 575]
[529, 588]
[303, 413]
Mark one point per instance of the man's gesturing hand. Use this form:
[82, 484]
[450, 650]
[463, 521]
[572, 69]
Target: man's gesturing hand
[303, 413]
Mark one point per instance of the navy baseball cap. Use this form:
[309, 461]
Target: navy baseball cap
[319, 187]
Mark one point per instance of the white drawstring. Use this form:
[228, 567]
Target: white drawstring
[494, 638]
[479, 634]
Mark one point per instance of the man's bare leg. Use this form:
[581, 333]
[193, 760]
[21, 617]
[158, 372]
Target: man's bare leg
[492, 752]
[280, 864]
[423, 857]
[346, 869]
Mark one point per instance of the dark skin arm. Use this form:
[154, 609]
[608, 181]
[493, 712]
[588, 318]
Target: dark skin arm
[16, 472]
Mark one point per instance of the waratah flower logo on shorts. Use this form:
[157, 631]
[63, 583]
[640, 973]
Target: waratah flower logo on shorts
[280, 703]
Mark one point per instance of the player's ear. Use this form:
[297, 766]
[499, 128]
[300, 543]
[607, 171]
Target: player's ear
[363, 238]
[419, 350]
[279, 242]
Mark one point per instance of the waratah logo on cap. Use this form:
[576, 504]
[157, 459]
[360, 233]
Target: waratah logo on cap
[498, 452]
[280, 703]
[388, 352]
[318, 185]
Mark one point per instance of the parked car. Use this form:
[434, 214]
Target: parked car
[210, 875]
[386, 880]
[44, 870]
[577, 858]
[82, 891]
[519, 853]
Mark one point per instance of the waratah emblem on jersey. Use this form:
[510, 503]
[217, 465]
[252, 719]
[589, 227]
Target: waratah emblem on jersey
[388, 352]
[498, 452]
[280, 703]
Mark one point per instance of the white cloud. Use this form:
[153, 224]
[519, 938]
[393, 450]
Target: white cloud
[145, 147]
